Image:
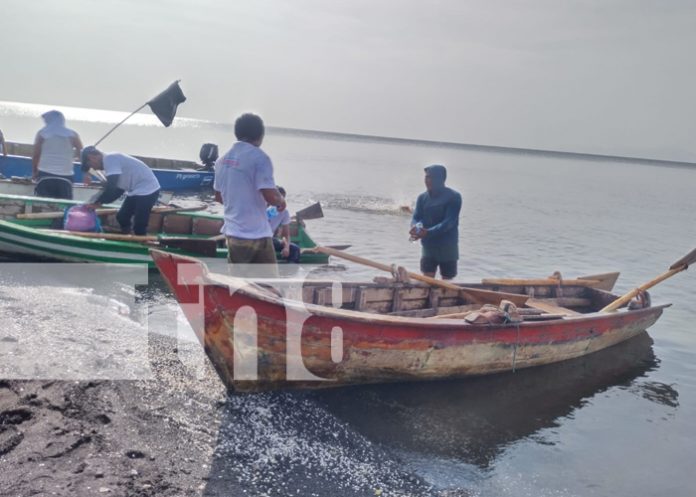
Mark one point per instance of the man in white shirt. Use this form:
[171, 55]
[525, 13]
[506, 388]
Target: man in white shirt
[124, 174]
[244, 184]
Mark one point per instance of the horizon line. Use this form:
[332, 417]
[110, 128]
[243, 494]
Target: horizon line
[485, 148]
[150, 120]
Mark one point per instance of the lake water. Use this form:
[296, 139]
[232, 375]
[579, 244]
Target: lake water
[619, 423]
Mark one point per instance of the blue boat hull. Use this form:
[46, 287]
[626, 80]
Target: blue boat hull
[169, 179]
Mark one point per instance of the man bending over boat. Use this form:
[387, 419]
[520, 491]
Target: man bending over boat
[435, 223]
[244, 184]
[124, 174]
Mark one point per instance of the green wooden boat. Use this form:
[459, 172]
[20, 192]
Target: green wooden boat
[35, 238]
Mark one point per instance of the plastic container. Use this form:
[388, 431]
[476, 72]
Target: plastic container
[81, 218]
[271, 212]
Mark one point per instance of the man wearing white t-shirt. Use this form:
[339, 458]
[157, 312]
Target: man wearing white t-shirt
[244, 184]
[124, 174]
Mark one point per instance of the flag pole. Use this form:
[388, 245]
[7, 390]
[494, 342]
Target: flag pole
[114, 128]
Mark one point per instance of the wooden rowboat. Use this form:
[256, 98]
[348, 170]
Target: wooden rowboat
[326, 336]
[173, 229]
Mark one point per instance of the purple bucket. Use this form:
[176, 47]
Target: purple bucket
[81, 218]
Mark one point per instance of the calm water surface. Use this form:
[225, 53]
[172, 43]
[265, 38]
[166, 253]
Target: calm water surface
[618, 423]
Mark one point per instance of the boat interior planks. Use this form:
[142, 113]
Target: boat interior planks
[417, 300]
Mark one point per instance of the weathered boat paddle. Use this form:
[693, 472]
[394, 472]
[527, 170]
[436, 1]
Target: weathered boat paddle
[604, 281]
[475, 294]
[679, 266]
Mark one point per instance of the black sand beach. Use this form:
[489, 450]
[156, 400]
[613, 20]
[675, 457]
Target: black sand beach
[124, 437]
[179, 435]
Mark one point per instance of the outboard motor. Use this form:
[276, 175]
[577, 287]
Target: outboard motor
[208, 155]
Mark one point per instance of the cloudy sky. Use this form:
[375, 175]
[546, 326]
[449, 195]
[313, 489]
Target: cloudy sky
[603, 76]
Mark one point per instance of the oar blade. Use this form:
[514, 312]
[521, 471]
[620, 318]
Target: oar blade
[313, 211]
[685, 261]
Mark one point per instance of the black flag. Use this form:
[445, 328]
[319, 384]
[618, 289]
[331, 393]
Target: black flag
[164, 105]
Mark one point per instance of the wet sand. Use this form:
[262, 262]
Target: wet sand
[151, 437]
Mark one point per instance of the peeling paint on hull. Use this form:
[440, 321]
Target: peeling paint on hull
[377, 348]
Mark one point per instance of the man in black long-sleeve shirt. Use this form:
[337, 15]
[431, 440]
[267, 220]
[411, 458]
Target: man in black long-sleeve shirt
[125, 174]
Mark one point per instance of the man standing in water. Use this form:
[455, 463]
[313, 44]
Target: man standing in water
[244, 184]
[435, 223]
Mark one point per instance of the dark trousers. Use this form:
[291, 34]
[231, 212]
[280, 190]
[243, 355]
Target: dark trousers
[136, 208]
[54, 186]
[294, 255]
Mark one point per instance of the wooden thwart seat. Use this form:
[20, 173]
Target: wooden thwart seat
[550, 308]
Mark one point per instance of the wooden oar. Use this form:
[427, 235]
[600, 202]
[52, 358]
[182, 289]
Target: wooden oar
[537, 282]
[601, 281]
[679, 266]
[201, 246]
[120, 237]
[104, 212]
[474, 294]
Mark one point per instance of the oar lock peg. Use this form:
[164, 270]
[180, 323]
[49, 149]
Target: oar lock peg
[400, 274]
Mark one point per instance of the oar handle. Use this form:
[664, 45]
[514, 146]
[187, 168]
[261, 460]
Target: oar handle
[539, 282]
[104, 236]
[627, 298]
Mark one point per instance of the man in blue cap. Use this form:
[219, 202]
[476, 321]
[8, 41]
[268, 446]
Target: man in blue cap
[435, 223]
